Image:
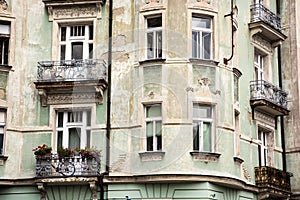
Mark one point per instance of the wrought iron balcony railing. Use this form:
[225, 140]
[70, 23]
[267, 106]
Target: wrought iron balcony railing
[261, 13]
[273, 179]
[53, 166]
[71, 70]
[262, 90]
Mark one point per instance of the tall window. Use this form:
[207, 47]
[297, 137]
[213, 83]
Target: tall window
[202, 128]
[154, 37]
[153, 121]
[76, 42]
[259, 66]
[73, 128]
[262, 147]
[4, 42]
[201, 37]
[2, 129]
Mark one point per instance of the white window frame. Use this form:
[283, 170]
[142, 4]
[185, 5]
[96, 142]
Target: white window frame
[262, 137]
[154, 120]
[155, 41]
[79, 124]
[3, 114]
[259, 67]
[69, 40]
[199, 41]
[5, 30]
[198, 121]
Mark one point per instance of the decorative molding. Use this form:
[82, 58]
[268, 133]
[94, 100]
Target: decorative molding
[152, 155]
[119, 164]
[152, 5]
[205, 156]
[204, 81]
[93, 187]
[262, 43]
[246, 173]
[42, 190]
[264, 118]
[54, 99]
[203, 5]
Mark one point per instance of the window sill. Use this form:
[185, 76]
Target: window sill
[203, 61]
[205, 156]
[153, 61]
[2, 159]
[152, 155]
[5, 68]
[238, 159]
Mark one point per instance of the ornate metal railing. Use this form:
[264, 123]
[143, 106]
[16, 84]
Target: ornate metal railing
[261, 13]
[71, 70]
[53, 166]
[263, 90]
[272, 178]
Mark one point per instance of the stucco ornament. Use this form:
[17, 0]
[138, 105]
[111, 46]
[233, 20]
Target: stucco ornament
[204, 1]
[3, 6]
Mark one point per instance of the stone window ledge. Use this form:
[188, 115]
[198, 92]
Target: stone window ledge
[152, 61]
[205, 156]
[238, 159]
[152, 155]
[205, 62]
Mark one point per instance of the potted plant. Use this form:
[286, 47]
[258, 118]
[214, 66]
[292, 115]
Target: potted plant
[89, 153]
[42, 151]
[64, 152]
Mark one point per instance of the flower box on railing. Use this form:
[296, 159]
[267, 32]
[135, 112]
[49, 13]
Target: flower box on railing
[55, 166]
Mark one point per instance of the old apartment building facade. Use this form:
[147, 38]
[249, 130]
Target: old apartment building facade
[200, 96]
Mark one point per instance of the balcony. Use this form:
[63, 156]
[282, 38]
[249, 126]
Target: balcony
[272, 183]
[75, 166]
[268, 98]
[266, 23]
[71, 81]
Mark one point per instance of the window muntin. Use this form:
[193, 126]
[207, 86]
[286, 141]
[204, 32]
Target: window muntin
[76, 42]
[153, 123]
[201, 37]
[262, 147]
[154, 37]
[202, 128]
[73, 128]
[4, 42]
[258, 66]
[2, 130]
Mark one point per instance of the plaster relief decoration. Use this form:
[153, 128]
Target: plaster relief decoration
[264, 44]
[3, 6]
[69, 9]
[203, 4]
[152, 5]
[204, 86]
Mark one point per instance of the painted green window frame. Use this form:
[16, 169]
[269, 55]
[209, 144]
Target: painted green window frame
[153, 127]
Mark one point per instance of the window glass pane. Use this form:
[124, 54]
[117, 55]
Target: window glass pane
[149, 143]
[196, 136]
[59, 139]
[88, 120]
[158, 128]
[74, 137]
[150, 53]
[77, 50]
[159, 44]
[236, 88]
[60, 119]
[149, 129]
[62, 52]
[154, 22]
[2, 117]
[153, 111]
[195, 44]
[1, 143]
[91, 32]
[206, 39]
[202, 111]
[201, 22]
[63, 34]
[5, 51]
[88, 138]
[4, 29]
[206, 136]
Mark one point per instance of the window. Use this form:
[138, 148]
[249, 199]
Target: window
[154, 37]
[202, 128]
[201, 37]
[153, 121]
[4, 42]
[76, 42]
[262, 147]
[258, 66]
[2, 129]
[73, 128]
